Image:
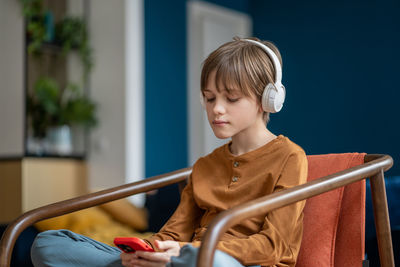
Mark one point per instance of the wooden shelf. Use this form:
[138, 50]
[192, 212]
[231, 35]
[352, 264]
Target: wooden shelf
[28, 183]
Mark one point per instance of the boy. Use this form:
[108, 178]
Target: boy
[240, 86]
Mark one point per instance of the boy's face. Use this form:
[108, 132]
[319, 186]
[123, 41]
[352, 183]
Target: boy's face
[231, 114]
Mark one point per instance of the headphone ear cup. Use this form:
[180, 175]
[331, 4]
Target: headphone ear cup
[273, 98]
[268, 97]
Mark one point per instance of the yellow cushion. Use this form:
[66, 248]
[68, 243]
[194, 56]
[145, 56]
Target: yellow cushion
[75, 221]
[93, 222]
[127, 213]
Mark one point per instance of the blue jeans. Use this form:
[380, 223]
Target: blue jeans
[63, 248]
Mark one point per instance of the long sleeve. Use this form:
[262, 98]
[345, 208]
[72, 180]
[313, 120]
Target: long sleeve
[220, 181]
[279, 240]
[184, 221]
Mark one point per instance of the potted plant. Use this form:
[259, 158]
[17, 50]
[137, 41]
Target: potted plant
[35, 24]
[71, 33]
[53, 111]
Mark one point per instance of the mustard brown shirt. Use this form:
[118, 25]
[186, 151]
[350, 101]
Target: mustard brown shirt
[220, 181]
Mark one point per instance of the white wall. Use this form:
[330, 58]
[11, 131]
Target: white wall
[12, 79]
[116, 84]
[107, 87]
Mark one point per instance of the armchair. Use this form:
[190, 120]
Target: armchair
[373, 166]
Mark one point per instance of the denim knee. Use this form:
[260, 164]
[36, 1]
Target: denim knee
[65, 248]
[188, 257]
[42, 248]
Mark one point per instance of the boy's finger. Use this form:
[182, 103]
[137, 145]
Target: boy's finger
[164, 245]
[153, 256]
[145, 263]
[128, 256]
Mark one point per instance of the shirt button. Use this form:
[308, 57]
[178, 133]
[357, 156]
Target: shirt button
[235, 178]
[236, 164]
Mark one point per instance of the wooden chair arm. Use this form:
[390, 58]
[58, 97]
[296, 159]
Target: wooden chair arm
[15, 228]
[374, 167]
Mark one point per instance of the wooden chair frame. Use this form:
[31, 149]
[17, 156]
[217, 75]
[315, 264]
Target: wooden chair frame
[374, 167]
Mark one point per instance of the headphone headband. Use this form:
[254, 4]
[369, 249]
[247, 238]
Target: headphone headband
[273, 56]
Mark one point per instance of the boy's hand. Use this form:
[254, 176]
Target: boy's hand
[152, 259]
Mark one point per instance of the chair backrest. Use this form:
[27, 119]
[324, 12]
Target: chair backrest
[334, 222]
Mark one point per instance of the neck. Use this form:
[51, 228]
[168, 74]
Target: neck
[246, 142]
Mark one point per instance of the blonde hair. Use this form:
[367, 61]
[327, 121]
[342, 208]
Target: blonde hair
[243, 66]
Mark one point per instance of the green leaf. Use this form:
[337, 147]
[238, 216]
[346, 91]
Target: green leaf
[47, 94]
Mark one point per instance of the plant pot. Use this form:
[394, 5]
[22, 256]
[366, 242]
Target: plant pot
[36, 146]
[59, 140]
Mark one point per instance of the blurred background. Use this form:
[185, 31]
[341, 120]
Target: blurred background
[118, 82]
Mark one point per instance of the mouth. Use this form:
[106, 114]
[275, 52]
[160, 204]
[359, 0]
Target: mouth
[219, 122]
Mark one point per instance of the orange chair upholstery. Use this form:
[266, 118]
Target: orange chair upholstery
[334, 227]
[334, 215]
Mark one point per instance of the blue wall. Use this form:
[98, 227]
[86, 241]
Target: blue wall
[341, 68]
[165, 100]
[165, 85]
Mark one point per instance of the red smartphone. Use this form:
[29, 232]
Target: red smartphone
[131, 244]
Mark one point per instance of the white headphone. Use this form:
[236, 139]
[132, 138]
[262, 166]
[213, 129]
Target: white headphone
[274, 93]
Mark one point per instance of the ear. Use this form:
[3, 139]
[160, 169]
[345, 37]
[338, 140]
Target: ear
[260, 109]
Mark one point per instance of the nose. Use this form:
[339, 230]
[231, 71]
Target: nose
[219, 107]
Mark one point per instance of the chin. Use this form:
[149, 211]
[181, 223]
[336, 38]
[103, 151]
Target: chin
[222, 136]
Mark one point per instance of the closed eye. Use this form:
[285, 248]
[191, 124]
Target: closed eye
[233, 99]
[210, 99]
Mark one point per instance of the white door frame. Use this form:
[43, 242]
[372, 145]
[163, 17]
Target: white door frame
[134, 104]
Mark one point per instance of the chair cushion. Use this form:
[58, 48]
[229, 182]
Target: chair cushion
[93, 222]
[322, 212]
[127, 213]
